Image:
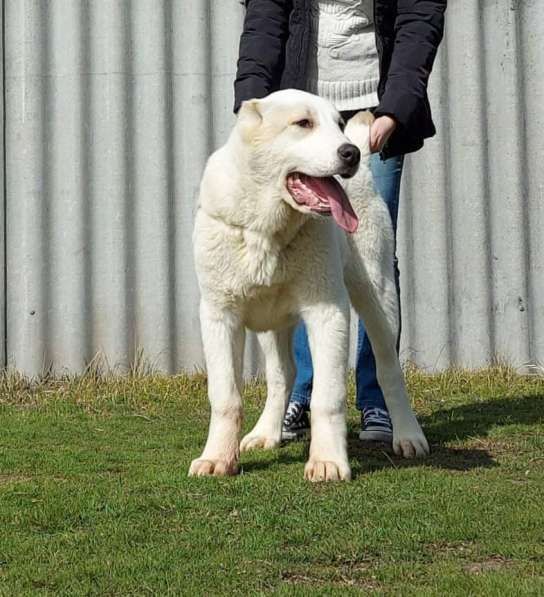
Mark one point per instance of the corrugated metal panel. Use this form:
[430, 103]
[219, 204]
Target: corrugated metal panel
[112, 107]
[471, 240]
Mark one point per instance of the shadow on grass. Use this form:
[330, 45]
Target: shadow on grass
[472, 420]
[457, 423]
[477, 418]
[279, 456]
[380, 456]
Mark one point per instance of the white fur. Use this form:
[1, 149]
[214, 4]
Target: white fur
[263, 262]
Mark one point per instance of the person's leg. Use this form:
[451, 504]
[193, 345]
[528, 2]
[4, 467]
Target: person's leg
[387, 177]
[302, 388]
[296, 422]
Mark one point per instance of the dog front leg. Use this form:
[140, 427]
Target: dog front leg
[280, 373]
[328, 335]
[223, 340]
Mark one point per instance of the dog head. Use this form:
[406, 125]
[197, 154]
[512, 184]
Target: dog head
[296, 143]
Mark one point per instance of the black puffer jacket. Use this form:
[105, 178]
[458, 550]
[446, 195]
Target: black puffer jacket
[274, 53]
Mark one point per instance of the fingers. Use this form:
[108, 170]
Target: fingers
[378, 137]
[380, 131]
[373, 141]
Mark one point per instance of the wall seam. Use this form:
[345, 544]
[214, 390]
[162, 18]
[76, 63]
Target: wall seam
[523, 165]
[4, 290]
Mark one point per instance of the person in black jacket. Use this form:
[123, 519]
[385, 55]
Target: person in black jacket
[359, 54]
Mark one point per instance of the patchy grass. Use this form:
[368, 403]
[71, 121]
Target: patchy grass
[94, 497]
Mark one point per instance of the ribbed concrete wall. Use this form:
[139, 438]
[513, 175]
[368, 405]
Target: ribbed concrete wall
[112, 107]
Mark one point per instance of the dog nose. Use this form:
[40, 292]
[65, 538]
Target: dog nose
[349, 154]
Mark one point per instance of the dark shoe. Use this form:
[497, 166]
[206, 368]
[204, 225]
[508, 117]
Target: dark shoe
[296, 422]
[376, 425]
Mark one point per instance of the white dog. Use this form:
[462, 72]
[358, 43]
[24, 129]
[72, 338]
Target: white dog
[268, 253]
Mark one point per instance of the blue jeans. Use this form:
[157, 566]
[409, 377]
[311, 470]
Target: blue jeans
[387, 175]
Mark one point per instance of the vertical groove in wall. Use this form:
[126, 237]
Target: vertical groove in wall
[193, 142]
[111, 170]
[486, 288]
[47, 136]
[532, 59]
[111, 110]
[150, 192]
[522, 165]
[450, 338]
[424, 278]
[168, 124]
[3, 215]
[85, 151]
[27, 181]
[407, 267]
[506, 179]
[444, 133]
[468, 201]
[130, 187]
[64, 264]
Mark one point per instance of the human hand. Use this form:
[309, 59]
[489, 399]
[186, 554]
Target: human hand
[380, 131]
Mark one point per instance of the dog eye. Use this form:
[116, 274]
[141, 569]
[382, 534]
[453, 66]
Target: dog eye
[342, 125]
[305, 123]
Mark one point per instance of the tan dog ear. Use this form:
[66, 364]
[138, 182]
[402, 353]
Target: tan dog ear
[358, 130]
[249, 119]
[364, 117]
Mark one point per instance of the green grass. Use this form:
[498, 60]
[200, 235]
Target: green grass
[95, 499]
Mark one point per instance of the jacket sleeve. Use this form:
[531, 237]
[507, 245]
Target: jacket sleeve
[419, 27]
[262, 49]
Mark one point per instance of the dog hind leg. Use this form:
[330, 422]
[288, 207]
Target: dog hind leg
[280, 373]
[370, 279]
[408, 438]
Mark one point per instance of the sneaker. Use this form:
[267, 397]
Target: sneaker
[296, 422]
[376, 425]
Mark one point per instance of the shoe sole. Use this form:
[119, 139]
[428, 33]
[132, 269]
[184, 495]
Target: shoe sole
[289, 436]
[376, 436]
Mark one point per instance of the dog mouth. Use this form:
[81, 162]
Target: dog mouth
[324, 196]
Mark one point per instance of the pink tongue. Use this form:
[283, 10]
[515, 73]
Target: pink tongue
[331, 190]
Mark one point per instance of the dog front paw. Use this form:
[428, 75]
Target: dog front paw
[213, 468]
[326, 470]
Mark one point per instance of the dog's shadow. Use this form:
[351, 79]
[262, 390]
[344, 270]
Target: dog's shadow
[279, 456]
[477, 418]
[474, 420]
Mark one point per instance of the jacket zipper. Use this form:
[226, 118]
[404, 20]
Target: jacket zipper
[300, 70]
[379, 47]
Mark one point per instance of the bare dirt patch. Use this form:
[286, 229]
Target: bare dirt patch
[494, 562]
[333, 577]
[11, 479]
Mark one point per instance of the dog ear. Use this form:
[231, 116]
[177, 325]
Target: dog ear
[358, 130]
[249, 118]
[365, 117]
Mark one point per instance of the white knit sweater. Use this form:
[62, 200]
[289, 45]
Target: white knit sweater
[343, 65]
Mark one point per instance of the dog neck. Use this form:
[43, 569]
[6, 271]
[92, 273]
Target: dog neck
[247, 199]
